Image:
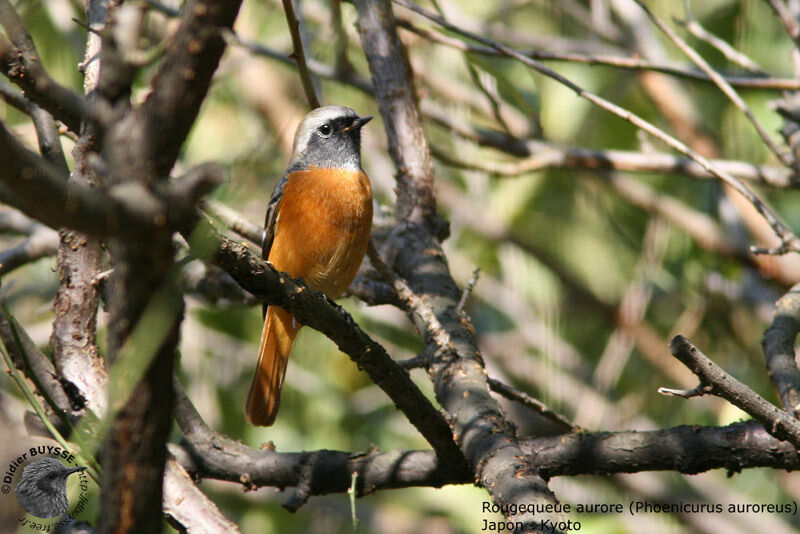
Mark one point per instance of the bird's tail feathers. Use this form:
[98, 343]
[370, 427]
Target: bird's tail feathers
[264, 399]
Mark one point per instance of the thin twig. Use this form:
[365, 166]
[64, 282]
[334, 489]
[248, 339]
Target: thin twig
[785, 15]
[299, 55]
[724, 86]
[619, 62]
[730, 53]
[413, 302]
[42, 243]
[698, 391]
[538, 155]
[234, 221]
[21, 64]
[788, 239]
[468, 290]
[533, 404]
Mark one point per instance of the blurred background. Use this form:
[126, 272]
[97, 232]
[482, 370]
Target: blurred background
[585, 274]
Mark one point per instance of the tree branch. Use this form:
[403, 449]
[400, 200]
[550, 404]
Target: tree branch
[684, 449]
[626, 63]
[720, 82]
[313, 309]
[397, 100]
[540, 155]
[458, 374]
[778, 344]
[719, 383]
[43, 242]
[299, 56]
[789, 241]
[21, 63]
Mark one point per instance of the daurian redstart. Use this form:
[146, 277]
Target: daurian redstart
[317, 228]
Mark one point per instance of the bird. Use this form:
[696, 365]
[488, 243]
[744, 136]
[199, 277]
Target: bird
[317, 228]
[42, 489]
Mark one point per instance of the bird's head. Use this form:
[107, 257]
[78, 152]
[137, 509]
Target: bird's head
[329, 137]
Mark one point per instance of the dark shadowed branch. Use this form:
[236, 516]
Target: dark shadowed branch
[685, 449]
[20, 62]
[486, 438]
[141, 147]
[313, 309]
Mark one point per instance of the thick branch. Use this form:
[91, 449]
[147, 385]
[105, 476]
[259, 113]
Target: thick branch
[73, 341]
[684, 449]
[150, 138]
[778, 344]
[396, 97]
[141, 148]
[459, 377]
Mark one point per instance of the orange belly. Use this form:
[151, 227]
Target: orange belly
[323, 227]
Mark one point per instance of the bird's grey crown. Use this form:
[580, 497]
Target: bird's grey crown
[341, 149]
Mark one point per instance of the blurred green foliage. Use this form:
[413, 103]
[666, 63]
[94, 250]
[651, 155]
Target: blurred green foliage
[567, 250]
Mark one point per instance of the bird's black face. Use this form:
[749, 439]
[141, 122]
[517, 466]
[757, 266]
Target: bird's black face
[330, 139]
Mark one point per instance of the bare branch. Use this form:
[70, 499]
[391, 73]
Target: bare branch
[626, 63]
[730, 53]
[685, 449]
[533, 404]
[785, 15]
[253, 232]
[719, 383]
[544, 155]
[468, 290]
[312, 309]
[396, 97]
[43, 242]
[698, 391]
[147, 140]
[187, 506]
[46, 194]
[28, 358]
[299, 55]
[778, 344]
[211, 455]
[20, 62]
[484, 436]
[790, 241]
[720, 82]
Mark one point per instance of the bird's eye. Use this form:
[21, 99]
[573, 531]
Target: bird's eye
[325, 130]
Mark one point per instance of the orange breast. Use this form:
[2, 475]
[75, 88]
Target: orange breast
[323, 227]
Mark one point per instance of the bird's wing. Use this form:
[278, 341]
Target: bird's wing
[272, 216]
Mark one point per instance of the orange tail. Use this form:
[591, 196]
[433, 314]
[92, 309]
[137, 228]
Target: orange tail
[273, 355]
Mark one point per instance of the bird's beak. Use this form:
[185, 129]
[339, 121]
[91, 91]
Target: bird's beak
[74, 470]
[358, 123]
